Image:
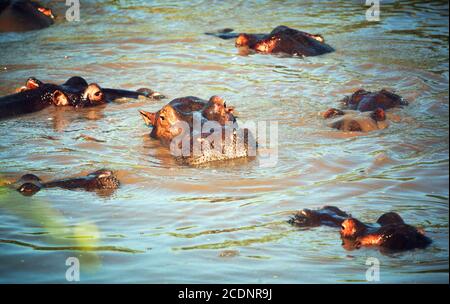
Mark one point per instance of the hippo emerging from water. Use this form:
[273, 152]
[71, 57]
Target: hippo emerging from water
[365, 111]
[75, 92]
[282, 39]
[98, 180]
[389, 232]
[199, 131]
[24, 15]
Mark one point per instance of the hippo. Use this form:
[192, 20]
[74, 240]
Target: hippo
[75, 92]
[199, 131]
[364, 101]
[24, 15]
[390, 232]
[364, 111]
[282, 39]
[99, 180]
[355, 121]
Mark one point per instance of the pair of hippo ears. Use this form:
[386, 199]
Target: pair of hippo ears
[148, 117]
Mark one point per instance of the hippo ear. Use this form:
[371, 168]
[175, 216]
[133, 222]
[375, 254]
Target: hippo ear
[149, 118]
[60, 99]
[217, 100]
[33, 83]
[94, 93]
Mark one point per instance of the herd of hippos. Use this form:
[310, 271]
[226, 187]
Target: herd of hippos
[363, 111]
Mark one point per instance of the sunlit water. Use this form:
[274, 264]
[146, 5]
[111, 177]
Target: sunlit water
[226, 223]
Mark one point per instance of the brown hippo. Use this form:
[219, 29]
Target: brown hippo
[99, 180]
[199, 131]
[282, 39]
[24, 15]
[365, 111]
[390, 232]
[364, 101]
[76, 92]
[355, 121]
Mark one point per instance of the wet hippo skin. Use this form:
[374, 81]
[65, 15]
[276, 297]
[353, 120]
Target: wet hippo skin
[355, 121]
[23, 15]
[282, 39]
[99, 180]
[364, 101]
[390, 232]
[75, 92]
[363, 111]
[165, 123]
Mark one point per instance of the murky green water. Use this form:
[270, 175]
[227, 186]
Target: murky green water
[227, 223]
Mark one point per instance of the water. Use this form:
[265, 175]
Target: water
[227, 223]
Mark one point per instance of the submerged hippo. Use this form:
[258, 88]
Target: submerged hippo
[76, 92]
[364, 101]
[282, 39]
[389, 232]
[24, 15]
[355, 121]
[365, 111]
[199, 131]
[98, 180]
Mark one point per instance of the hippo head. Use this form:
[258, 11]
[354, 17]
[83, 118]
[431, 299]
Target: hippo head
[31, 84]
[217, 110]
[104, 179]
[24, 15]
[163, 122]
[31, 185]
[246, 40]
[363, 100]
[352, 228]
[306, 218]
[77, 92]
[353, 100]
[29, 189]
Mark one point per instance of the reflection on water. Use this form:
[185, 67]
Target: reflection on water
[226, 222]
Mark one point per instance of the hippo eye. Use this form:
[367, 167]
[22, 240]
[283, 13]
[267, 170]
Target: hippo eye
[342, 227]
[97, 93]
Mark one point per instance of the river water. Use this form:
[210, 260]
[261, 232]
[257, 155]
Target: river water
[226, 222]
